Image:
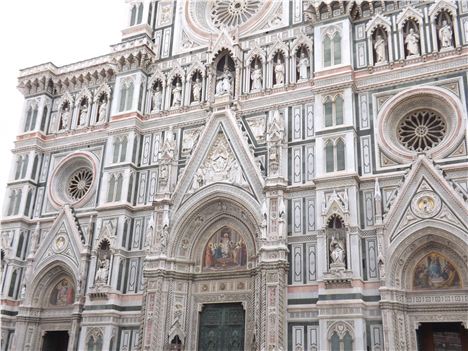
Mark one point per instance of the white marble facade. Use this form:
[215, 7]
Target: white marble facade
[305, 159]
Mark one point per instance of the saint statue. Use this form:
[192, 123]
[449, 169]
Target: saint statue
[65, 118]
[157, 99]
[379, 47]
[445, 35]
[83, 115]
[256, 78]
[103, 271]
[102, 111]
[196, 90]
[176, 95]
[303, 65]
[412, 43]
[279, 71]
[224, 82]
[337, 252]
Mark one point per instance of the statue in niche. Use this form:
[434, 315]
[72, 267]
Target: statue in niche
[445, 35]
[337, 252]
[176, 95]
[279, 71]
[257, 78]
[412, 43]
[224, 82]
[303, 66]
[157, 99]
[102, 111]
[65, 118]
[379, 47]
[163, 237]
[196, 90]
[103, 271]
[83, 115]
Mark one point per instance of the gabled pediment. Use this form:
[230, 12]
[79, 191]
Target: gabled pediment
[64, 241]
[222, 157]
[425, 194]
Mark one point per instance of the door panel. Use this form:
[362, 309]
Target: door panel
[222, 328]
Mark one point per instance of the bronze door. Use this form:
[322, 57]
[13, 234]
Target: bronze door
[222, 328]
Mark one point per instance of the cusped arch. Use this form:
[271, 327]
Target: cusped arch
[208, 209]
[47, 278]
[404, 255]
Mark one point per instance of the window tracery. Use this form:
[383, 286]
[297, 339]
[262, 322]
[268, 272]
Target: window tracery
[334, 155]
[333, 110]
[332, 48]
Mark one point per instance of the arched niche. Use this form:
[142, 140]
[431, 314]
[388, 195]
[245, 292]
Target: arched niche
[406, 255]
[208, 211]
[224, 74]
[54, 286]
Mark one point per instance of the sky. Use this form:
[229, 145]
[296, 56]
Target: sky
[38, 31]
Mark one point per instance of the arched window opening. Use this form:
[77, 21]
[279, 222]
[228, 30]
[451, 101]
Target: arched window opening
[330, 162]
[335, 342]
[24, 167]
[11, 290]
[133, 15]
[140, 13]
[19, 164]
[337, 49]
[28, 119]
[335, 222]
[34, 167]
[333, 111]
[118, 192]
[123, 149]
[340, 155]
[19, 248]
[348, 342]
[45, 111]
[123, 97]
[19, 193]
[27, 206]
[110, 193]
[327, 53]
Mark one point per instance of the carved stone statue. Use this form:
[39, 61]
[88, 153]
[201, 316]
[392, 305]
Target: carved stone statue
[224, 82]
[445, 35]
[379, 47]
[83, 115]
[196, 90]
[303, 65]
[164, 236]
[157, 99]
[176, 95]
[412, 43]
[279, 72]
[337, 252]
[257, 78]
[103, 271]
[65, 118]
[102, 111]
[168, 146]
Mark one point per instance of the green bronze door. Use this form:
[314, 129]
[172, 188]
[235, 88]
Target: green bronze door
[222, 328]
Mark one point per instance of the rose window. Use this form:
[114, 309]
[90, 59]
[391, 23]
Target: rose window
[79, 183]
[421, 130]
[231, 13]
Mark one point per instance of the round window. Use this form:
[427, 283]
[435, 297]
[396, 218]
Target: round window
[79, 183]
[421, 130]
[73, 180]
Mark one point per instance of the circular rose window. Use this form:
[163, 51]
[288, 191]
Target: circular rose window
[422, 119]
[79, 183]
[231, 13]
[421, 130]
[73, 180]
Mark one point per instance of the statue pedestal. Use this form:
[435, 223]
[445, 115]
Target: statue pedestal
[337, 277]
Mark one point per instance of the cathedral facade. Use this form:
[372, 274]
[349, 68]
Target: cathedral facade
[246, 175]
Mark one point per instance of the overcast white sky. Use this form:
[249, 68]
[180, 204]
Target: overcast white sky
[57, 31]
